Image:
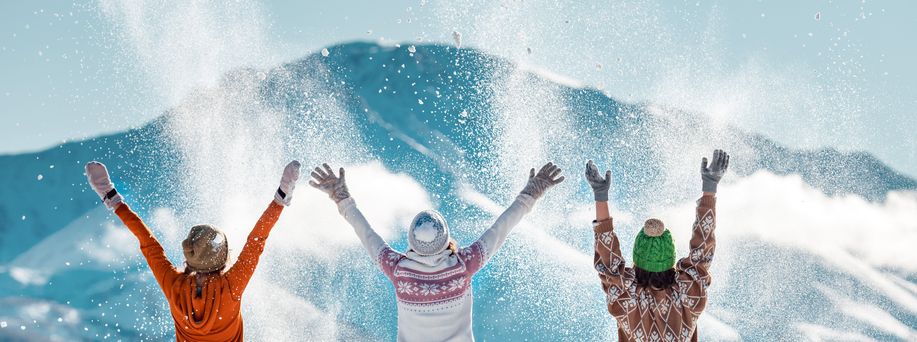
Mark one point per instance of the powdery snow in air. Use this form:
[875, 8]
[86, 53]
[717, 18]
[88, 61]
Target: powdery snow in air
[457, 37]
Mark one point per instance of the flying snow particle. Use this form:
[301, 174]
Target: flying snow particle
[412, 49]
[457, 37]
[419, 101]
[817, 16]
[3, 324]
[325, 52]
[40, 176]
[216, 242]
[23, 217]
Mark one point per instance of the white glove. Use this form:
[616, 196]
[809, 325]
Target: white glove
[97, 176]
[284, 193]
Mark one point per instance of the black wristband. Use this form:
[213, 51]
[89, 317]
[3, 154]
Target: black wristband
[111, 194]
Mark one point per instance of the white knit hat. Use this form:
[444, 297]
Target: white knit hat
[428, 233]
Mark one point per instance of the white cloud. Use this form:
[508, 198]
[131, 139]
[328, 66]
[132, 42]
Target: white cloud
[870, 314]
[785, 210]
[388, 200]
[847, 232]
[90, 242]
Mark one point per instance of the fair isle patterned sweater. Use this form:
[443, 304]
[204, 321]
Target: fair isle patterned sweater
[644, 314]
[433, 293]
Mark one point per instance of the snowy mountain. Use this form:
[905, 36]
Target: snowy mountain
[457, 130]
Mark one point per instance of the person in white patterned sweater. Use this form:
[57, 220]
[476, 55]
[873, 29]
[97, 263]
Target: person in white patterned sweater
[657, 299]
[433, 278]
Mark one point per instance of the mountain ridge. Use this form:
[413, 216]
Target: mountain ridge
[455, 120]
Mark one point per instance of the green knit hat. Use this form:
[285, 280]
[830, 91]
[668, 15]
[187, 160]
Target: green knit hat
[654, 250]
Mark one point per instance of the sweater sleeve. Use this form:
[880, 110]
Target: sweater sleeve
[382, 254]
[242, 271]
[163, 270]
[493, 238]
[615, 276]
[693, 275]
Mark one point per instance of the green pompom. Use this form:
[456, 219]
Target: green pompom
[654, 253]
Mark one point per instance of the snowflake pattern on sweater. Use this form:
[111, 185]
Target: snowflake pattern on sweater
[416, 287]
[658, 315]
[434, 294]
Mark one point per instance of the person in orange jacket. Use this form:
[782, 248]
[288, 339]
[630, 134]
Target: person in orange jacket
[657, 299]
[205, 297]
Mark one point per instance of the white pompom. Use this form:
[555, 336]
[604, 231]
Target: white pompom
[653, 227]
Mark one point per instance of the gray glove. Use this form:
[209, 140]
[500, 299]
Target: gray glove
[599, 185]
[544, 180]
[711, 175]
[326, 181]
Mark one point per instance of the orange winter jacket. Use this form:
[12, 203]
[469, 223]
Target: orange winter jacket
[215, 314]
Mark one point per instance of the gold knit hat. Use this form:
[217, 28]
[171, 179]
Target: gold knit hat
[206, 249]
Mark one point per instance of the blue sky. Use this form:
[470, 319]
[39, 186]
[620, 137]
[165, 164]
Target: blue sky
[809, 74]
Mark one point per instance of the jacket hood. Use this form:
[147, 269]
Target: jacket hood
[428, 233]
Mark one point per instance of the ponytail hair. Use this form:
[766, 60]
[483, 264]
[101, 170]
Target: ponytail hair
[453, 246]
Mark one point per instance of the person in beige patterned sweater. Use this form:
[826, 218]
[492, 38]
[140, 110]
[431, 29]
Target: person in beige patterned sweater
[657, 299]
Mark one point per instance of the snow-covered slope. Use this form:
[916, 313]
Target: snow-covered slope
[807, 245]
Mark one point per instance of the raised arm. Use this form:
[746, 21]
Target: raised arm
[241, 272]
[608, 262]
[703, 243]
[335, 186]
[163, 270]
[494, 237]
[694, 269]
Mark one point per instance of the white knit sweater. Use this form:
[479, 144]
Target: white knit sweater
[434, 292]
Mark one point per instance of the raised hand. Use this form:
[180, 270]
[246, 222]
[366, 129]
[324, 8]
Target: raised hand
[711, 175]
[284, 192]
[326, 181]
[97, 176]
[543, 180]
[599, 185]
